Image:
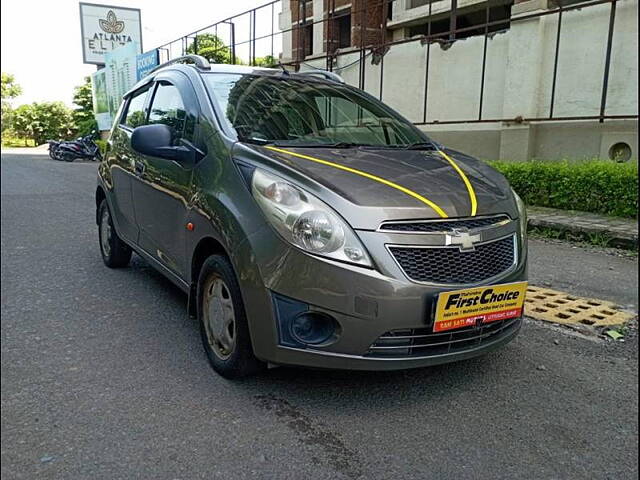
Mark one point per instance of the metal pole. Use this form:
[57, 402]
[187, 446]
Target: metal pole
[233, 43]
[454, 20]
[385, 15]
[555, 61]
[484, 60]
[329, 20]
[426, 69]
[252, 43]
[303, 22]
[363, 16]
[330, 43]
[607, 62]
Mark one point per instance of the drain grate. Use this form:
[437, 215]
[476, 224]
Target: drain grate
[560, 307]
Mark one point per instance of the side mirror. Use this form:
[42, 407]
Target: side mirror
[157, 141]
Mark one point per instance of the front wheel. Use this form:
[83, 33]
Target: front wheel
[223, 322]
[115, 253]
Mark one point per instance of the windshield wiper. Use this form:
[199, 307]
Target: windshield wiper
[421, 146]
[323, 145]
[254, 140]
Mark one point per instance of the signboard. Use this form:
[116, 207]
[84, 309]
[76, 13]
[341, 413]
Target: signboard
[145, 62]
[106, 28]
[101, 99]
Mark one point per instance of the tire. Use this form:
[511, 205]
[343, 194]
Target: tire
[115, 253]
[52, 153]
[228, 346]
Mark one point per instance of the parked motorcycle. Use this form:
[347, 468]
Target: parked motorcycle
[53, 147]
[84, 147]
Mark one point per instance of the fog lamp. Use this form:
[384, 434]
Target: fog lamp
[313, 327]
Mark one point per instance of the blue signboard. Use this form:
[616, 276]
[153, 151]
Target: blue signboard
[145, 62]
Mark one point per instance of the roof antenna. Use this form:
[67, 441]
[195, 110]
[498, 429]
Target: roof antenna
[284, 70]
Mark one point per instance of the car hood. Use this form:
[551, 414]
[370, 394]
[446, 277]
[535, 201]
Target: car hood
[369, 186]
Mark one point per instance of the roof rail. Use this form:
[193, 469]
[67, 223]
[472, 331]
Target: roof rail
[327, 75]
[198, 60]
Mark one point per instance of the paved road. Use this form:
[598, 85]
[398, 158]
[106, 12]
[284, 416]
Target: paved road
[103, 376]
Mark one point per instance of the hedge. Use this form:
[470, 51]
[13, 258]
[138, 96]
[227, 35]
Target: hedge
[591, 186]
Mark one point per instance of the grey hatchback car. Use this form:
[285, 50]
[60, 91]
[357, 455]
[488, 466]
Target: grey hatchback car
[309, 223]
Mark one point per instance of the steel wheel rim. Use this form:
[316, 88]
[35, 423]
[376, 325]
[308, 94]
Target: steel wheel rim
[219, 317]
[105, 233]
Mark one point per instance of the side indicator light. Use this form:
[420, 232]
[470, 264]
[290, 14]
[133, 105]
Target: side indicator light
[190, 226]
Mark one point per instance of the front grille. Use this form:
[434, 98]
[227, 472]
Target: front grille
[442, 226]
[421, 342]
[450, 265]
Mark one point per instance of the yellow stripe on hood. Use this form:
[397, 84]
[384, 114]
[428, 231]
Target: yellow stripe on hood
[472, 193]
[411, 193]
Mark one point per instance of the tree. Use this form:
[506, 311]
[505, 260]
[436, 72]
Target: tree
[43, 121]
[10, 89]
[211, 47]
[83, 117]
[24, 118]
[266, 61]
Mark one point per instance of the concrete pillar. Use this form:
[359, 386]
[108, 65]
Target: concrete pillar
[284, 23]
[318, 28]
[516, 142]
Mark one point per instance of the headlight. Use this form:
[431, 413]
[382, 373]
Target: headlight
[305, 221]
[522, 215]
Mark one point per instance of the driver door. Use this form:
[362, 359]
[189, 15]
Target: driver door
[162, 188]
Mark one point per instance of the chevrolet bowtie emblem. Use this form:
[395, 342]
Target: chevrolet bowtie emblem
[462, 238]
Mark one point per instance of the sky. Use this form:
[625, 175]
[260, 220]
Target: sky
[41, 43]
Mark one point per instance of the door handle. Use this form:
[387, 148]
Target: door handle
[139, 168]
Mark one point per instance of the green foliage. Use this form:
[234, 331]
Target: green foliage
[10, 140]
[42, 121]
[7, 117]
[102, 144]
[211, 47]
[596, 239]
[83, 117]
[592, 186]
[10, 89]
[266, 61]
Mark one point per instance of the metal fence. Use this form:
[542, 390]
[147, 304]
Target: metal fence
[256, 30]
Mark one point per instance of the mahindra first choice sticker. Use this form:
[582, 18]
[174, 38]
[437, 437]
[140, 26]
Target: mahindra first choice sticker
[474, 306]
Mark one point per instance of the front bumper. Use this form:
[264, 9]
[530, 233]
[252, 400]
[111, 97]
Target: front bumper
[366, 303]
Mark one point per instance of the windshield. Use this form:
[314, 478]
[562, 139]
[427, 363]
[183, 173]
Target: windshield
[297, 112]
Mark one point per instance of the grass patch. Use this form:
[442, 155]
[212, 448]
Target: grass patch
[594, 186]
[13, 142]
[596, 239]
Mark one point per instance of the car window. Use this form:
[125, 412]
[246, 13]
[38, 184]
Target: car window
[168, 108]
[135, 111]
[294, 111]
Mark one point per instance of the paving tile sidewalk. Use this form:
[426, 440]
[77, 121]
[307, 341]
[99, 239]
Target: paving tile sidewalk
[622, 231]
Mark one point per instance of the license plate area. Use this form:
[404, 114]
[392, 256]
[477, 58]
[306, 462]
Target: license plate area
[478, 305]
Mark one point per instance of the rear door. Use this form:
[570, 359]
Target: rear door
[161, 192]
[123, 161]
